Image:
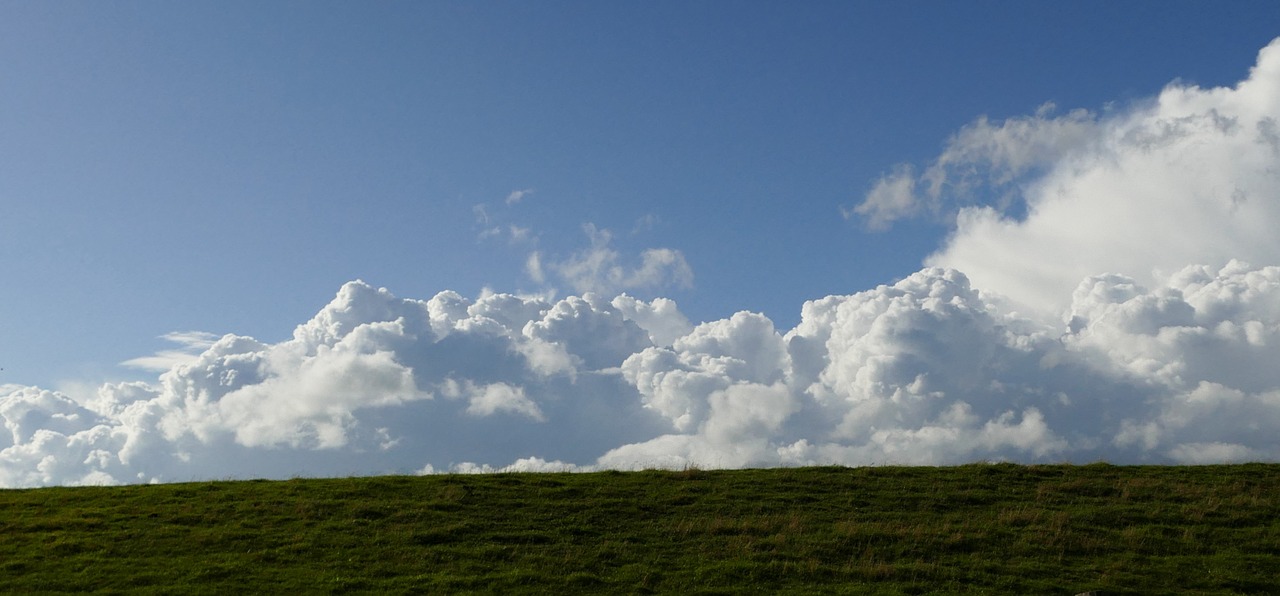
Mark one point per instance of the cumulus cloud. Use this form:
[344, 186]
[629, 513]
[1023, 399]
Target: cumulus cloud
[372, 383]
[927, 370]
[1187, 178]
[660, 318]
[930, 370]
[902, 374]
[1066, 336]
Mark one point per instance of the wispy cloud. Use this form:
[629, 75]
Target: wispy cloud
[481, 213]
[518, 195]
[602, 269]
[191, 343]
[985, 164]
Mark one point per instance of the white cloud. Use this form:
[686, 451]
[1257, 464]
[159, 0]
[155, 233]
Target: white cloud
[191, 342]
[928, 370]
[1120, 319]
[481, 214]
[513, 233]
[593, 332]
[601, 269]
[486, 400]
[1189, 178]
[29, 411]
[892, 198]
[490, 223]
[597, 268]
[519, 234]
[372, 383]
[901, 373]
[518, 195]
[533, 268]
[984, 164]
[659, 268]
[660, 318]
[647, 222]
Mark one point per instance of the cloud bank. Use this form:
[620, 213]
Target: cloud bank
[1110, 291]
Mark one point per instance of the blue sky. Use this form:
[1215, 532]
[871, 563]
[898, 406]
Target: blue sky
[176, 172]
[225, 166]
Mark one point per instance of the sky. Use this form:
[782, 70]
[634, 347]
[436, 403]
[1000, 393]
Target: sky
[323, 238]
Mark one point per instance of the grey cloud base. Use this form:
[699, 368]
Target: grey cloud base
[926, 371]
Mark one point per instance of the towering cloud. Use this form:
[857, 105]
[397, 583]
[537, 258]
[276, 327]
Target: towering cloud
[1110, 291]
[1189, 178]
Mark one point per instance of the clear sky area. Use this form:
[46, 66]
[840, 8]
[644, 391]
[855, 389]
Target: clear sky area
[632, 234]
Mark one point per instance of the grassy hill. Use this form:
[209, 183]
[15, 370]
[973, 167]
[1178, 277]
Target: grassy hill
[993, 529]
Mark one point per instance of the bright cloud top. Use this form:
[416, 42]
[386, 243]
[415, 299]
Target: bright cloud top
[1110, 292]
[1189, 177]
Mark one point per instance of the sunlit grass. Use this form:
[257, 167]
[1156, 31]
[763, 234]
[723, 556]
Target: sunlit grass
[971, 529]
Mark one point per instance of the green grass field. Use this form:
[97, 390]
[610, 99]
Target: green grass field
[976, 529]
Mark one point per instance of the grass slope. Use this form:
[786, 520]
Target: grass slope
[993, 529]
